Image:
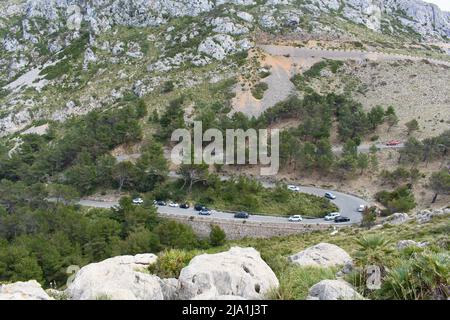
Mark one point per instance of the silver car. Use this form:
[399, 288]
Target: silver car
[331, 216]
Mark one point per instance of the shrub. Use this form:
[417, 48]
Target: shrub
[173, 234]
[423, 276]
[259, 89]
[170, 263]
[168, 87]
[295, 281]
[399, 200]
[368, 217]
[217, 236]
[372, 250]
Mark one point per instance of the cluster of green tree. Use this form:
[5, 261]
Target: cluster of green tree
[308, 147]
[315, 70]
[170, 120]
[440, 183]
[400, 176]
[149, 170]
[259, 89]
[40, 239]
[429, 149]
[76, 152]
[399, 200]
[241, 193]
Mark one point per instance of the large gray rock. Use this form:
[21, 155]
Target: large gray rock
[118, 278]
[322, 255]
[238, 272]
[397, 218]
[333, 290]
[402, 244]
[30, 290]
[221, 45]
[228, 26]
[425, 216]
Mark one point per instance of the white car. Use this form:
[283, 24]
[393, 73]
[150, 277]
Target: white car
[361, 208]
[293, 188]
[295, 218]
[331, 216]
[138, 201]
[330, 195]
[173, 204]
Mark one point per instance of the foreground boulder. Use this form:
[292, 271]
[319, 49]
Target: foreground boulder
[322, 255]
[118, 278]
[238, 272]
[30, 290]
[333, 290]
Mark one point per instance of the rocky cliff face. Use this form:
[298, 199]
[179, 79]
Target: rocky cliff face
[425, 18]
[161, 35]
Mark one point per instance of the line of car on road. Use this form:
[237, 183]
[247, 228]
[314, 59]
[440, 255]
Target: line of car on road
[333, 216]
[204, 211]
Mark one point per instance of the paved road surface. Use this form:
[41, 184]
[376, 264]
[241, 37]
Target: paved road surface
[346, 203]
[365, 148]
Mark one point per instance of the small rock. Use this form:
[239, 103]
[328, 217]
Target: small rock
[333, 290]
[402, 244]
[245, 16]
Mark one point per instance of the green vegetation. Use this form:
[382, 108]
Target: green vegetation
[217, 236]
[40, 239]
[374, 246]
[259, 89]
[76, 152]
[295, 281]
[440, 183]
[399, 200]
[70, 59]
[400, 176]
[301, 80]
[430, 149]
[245, 194]
[308, 147]
[420, 276]
[412, 126]
[315, 70]
[170, 263]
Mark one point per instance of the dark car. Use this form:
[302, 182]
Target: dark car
[341, 219]
[184, 206]
[199, 207]
[160, 203]
[242, 215]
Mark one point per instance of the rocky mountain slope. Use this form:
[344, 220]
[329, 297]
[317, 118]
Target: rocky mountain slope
[64, 57]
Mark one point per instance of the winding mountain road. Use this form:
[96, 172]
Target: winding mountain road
[346, 203]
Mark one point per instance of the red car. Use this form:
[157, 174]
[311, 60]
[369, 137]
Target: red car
[393, 142]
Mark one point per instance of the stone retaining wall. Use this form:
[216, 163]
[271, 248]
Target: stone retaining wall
[238, 229]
